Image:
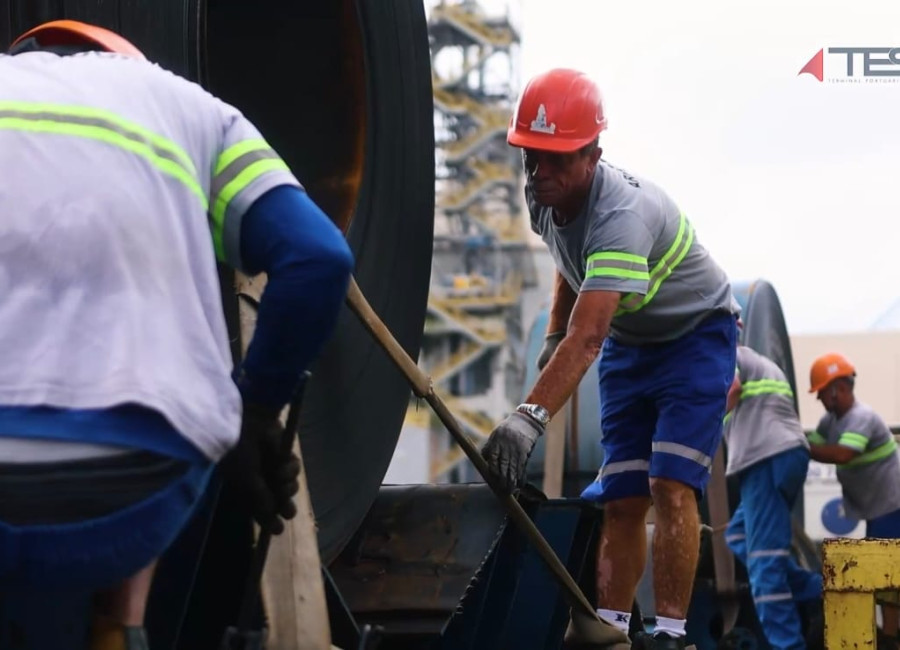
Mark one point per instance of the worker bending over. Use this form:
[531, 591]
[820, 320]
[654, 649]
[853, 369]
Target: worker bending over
[769, 455]
[121, 186]
[855, 438]
[633, 279]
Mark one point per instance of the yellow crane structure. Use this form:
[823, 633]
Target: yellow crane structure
[481, 261]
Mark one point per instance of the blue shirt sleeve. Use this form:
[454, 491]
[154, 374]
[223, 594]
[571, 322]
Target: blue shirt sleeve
[308, 265]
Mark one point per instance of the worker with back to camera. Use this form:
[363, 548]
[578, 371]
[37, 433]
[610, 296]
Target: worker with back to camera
[769, 454]
[853, 437]
[122, 186]
[633, 279]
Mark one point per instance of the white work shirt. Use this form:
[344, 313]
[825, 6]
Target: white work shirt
[120, 184]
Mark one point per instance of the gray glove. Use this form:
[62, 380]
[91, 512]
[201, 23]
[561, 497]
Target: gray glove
[508, 448]
[550, 342]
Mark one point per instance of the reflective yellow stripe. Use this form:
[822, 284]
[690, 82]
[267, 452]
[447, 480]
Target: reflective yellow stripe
[880, 452]
[111, 137]
[766, 387]
[854, 440]
[113, 122]
[618, 257]
[614, 264]
[816, 438]
[611, 272]
[234, 187]
[684, 238]
[236, 151]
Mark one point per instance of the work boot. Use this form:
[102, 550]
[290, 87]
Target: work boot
[592, 633]
[658, 641]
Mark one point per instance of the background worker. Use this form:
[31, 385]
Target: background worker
[855, 438]
[768, 453]
[121, 186]
[633, 279]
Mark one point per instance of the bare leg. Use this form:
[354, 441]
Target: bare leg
[126, 603]
[622, 553]
[119, 613]
[676, 546]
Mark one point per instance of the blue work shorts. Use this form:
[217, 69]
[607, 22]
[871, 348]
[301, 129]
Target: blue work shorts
[72, 548]
[661, 409]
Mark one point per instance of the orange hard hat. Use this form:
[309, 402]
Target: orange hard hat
[827, 368]
[73, 32]
[560, 110]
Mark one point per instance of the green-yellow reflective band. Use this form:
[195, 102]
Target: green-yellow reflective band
[110, 137]
[816, 438]
[114, 122]
[683, 240]
[617, 257]
[766, 387]
[766, 390]
[236, 151]
[855, 440]
[232, 189]
[610, 272]
[880, 452]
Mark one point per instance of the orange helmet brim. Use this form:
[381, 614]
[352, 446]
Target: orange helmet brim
[73, 32]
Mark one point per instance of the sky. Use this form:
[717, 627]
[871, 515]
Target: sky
[784, 177]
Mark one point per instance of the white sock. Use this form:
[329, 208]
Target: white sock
[674, 627]
[619, 619]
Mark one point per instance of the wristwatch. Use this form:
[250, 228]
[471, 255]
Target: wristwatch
[536, 412]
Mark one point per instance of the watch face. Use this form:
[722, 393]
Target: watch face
[536, 412]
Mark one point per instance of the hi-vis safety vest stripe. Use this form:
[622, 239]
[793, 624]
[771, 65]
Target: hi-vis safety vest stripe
[765, 387]
[762, 387]
[880, 452]
[617, 265]
[103, 126]
[684, 238]
[858, 442]
[855, 440]
[237, 167]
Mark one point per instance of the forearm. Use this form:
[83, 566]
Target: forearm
[562, 375]
[308, 264]
[834, 454]
[561, 307]
[734, 395]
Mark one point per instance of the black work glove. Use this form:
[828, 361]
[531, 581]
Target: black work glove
[509, 447]
[263, 469]
[551, 341]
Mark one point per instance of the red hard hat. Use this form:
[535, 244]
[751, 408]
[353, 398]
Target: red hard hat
[73, 32]
[560, 110]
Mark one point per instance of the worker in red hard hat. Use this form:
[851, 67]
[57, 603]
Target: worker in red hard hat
[852, 436]
[633, 280]
[121, 187]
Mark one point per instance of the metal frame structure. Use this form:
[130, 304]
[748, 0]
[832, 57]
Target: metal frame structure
[473, 340]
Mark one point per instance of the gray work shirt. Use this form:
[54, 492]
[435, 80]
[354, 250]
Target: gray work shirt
[870, 482]
[630, 237]
[764, 423]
